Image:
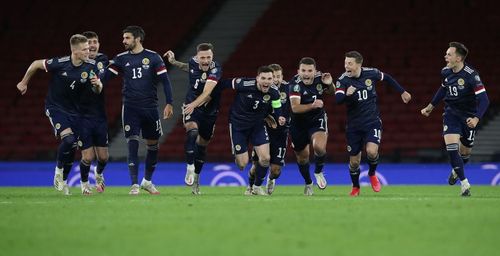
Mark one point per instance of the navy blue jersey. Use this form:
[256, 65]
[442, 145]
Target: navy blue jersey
[285, 104]
[307, 95]
[141, 73]
[67, 83]
[197, 80]
[250, 105]
[362, 106]
[461, 90]
[92, 104]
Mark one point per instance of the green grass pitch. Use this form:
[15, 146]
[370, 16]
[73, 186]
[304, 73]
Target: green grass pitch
[400, 220]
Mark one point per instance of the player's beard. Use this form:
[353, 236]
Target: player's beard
[129, 47]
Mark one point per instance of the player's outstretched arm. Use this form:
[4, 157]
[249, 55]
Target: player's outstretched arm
[22, 86]
[171, 59]
[435, 100]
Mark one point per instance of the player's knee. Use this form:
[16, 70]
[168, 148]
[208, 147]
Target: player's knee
[103, 157]
[86, 162]
[372, 154]
[319, 150]
[264, 161]
[353, 164]
[87, 158]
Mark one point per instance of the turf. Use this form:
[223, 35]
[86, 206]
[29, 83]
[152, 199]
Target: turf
[400, 220]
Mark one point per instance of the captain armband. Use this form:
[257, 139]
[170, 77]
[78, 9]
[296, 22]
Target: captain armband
[276, 103]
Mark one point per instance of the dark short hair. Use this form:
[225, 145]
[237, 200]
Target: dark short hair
[356, 55]
[90, 34]
[307, 61]
[264, 69]
[460, 49]
[204, 47]
[77, 39]
[275, 67]
[136, 31]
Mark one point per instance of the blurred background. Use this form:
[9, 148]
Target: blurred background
[404, 38]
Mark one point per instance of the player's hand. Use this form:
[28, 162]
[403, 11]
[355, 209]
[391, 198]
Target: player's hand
[326, 78]
[427, 110]
[350, 90]
[270, 121]
[97, 84]
[472, 122]
[22, 87]
[168, 112]
[281, 120]
[406, 97]
[188, 109]
[170, 56]
[317, 104]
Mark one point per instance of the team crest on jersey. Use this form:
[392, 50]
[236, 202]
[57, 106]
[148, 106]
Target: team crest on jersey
[84, 76]
[319, 87]
[145, 63]
[100, 65]
[368, 82]
[204, 76]
[296, 88]
[283, 96]
[127, 128]
[58, 126]
[337, 84]
[237, 147]
[266, 97]
[461, 81]
[213, 71]
[445, 128]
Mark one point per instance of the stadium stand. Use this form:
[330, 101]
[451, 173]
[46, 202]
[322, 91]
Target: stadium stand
[410, 49]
